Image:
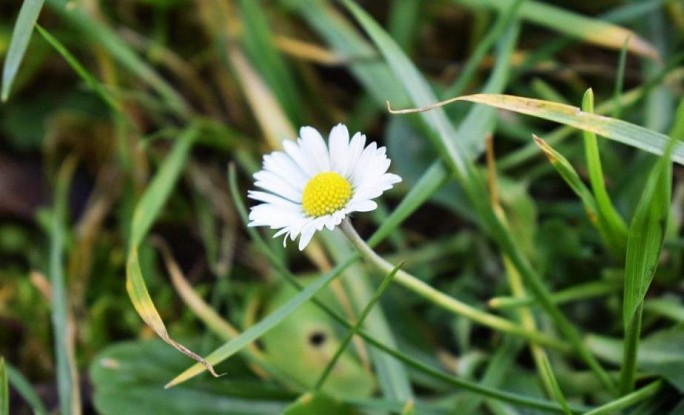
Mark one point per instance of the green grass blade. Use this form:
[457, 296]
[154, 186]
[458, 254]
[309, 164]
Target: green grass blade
[646, 236]
[612, 222]
[433, 178]
[258, 41]
[403, 22]
[357, 326]
[479, 122]
[102, 35]
[553, 383]
[619, 82]
[376, 77]
[591, 30]
[160, 188]
[82, 72]
[628, 400]
[67, 380]
[677, 130]
[473, 64]
[420, 93]
[614, 241]
[627, 99]
[497, 368]
[618, 130]
[21, 35]
[144, 215]
[25, 390]
[644, 247]
[4, 388]
[570, 176]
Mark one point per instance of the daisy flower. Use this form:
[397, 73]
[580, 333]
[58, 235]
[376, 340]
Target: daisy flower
[312, 185]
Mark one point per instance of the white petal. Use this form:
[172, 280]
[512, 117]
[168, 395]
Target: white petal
[362, 206]
[339, 148]
[358, 174]
[333, 220]
[283, 165]
[313, 146]
[372, 189]
[356, 145]
[273, 216]
[295, 152]
[270, 181]
[275, 200]
[307, 234]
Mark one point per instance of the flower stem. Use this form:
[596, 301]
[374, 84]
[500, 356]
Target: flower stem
[442, 300]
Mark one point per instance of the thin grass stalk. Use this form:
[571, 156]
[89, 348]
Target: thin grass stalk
[356, 327]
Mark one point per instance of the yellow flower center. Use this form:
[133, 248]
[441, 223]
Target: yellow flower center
[325, 193]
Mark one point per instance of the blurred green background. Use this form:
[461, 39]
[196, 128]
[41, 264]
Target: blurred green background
[106, 92]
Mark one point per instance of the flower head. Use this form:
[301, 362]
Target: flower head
[312, 185]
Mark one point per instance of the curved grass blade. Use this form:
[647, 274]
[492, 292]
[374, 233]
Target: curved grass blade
[25, 390]
[573, 179]
[21, 35]
[618, 130]
[612, 223]
[217, 324]
[588, 29]
[145, 213]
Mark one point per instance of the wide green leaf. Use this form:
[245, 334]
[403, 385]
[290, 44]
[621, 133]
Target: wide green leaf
[660, 354]
[128, 378]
